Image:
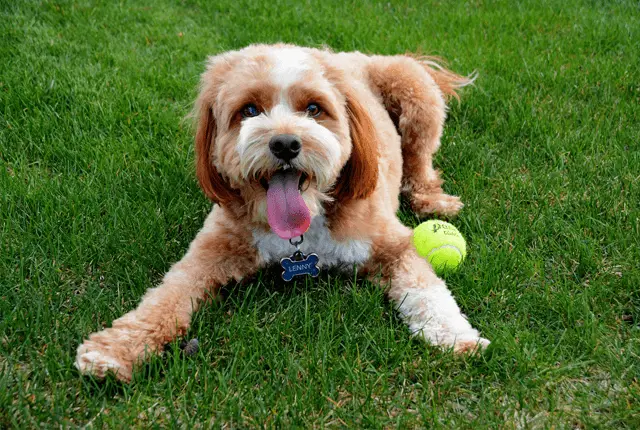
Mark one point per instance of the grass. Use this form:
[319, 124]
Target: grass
[98, 198]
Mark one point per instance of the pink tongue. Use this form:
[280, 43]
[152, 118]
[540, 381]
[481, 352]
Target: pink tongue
[287, 213]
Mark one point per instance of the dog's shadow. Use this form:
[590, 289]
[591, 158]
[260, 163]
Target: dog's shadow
[269, 281]
[265, 301]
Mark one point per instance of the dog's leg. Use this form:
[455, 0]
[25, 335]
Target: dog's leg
[416, 103]
[421, 298]
[220, 252]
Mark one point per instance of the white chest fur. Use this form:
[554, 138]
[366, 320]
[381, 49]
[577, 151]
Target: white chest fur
[317, 240]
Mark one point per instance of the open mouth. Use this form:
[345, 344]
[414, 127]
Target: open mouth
[303, 180]
[287, 212]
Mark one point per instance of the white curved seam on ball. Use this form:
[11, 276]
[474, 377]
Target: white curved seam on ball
[445, 246]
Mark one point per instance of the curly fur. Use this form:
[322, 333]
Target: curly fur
[381, 123]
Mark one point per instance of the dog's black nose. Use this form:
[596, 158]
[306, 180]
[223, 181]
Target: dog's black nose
[285, 146]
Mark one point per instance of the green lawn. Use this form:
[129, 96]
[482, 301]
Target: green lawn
[98, 197]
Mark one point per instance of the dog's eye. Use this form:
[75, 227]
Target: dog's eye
[250, 111]
[314, 109]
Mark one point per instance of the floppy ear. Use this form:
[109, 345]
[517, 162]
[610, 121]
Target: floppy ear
[211, 182]
[359, 177]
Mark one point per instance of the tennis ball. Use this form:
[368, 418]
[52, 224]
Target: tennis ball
[441, 243]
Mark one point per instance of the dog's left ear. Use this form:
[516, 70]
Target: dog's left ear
[359, 177]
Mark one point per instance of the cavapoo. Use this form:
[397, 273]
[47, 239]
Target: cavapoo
[305, 152]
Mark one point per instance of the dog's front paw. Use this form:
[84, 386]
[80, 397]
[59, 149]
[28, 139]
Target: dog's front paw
[466, 342]
[441, 204]
[94, 359]
[470, 345]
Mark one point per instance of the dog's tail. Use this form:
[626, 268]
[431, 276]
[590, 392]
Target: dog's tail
[448, 81]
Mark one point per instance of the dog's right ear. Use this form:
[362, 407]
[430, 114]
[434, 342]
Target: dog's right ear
[212, 183]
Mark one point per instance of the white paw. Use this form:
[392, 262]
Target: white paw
[92, 362]
[462, 343]
[433, 315]
[470, 345]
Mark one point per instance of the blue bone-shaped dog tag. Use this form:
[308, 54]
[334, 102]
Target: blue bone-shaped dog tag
[306, 265]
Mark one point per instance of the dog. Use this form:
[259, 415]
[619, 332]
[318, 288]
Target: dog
[300, 142]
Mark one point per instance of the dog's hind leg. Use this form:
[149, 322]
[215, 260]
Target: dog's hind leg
[220, 253]
[414, 93]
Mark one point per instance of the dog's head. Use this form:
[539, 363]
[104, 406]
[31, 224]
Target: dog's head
[279, 132]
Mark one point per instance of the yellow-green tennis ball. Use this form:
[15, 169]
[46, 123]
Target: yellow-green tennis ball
[441, 243]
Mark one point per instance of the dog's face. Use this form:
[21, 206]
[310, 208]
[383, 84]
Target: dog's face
[280, 132]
